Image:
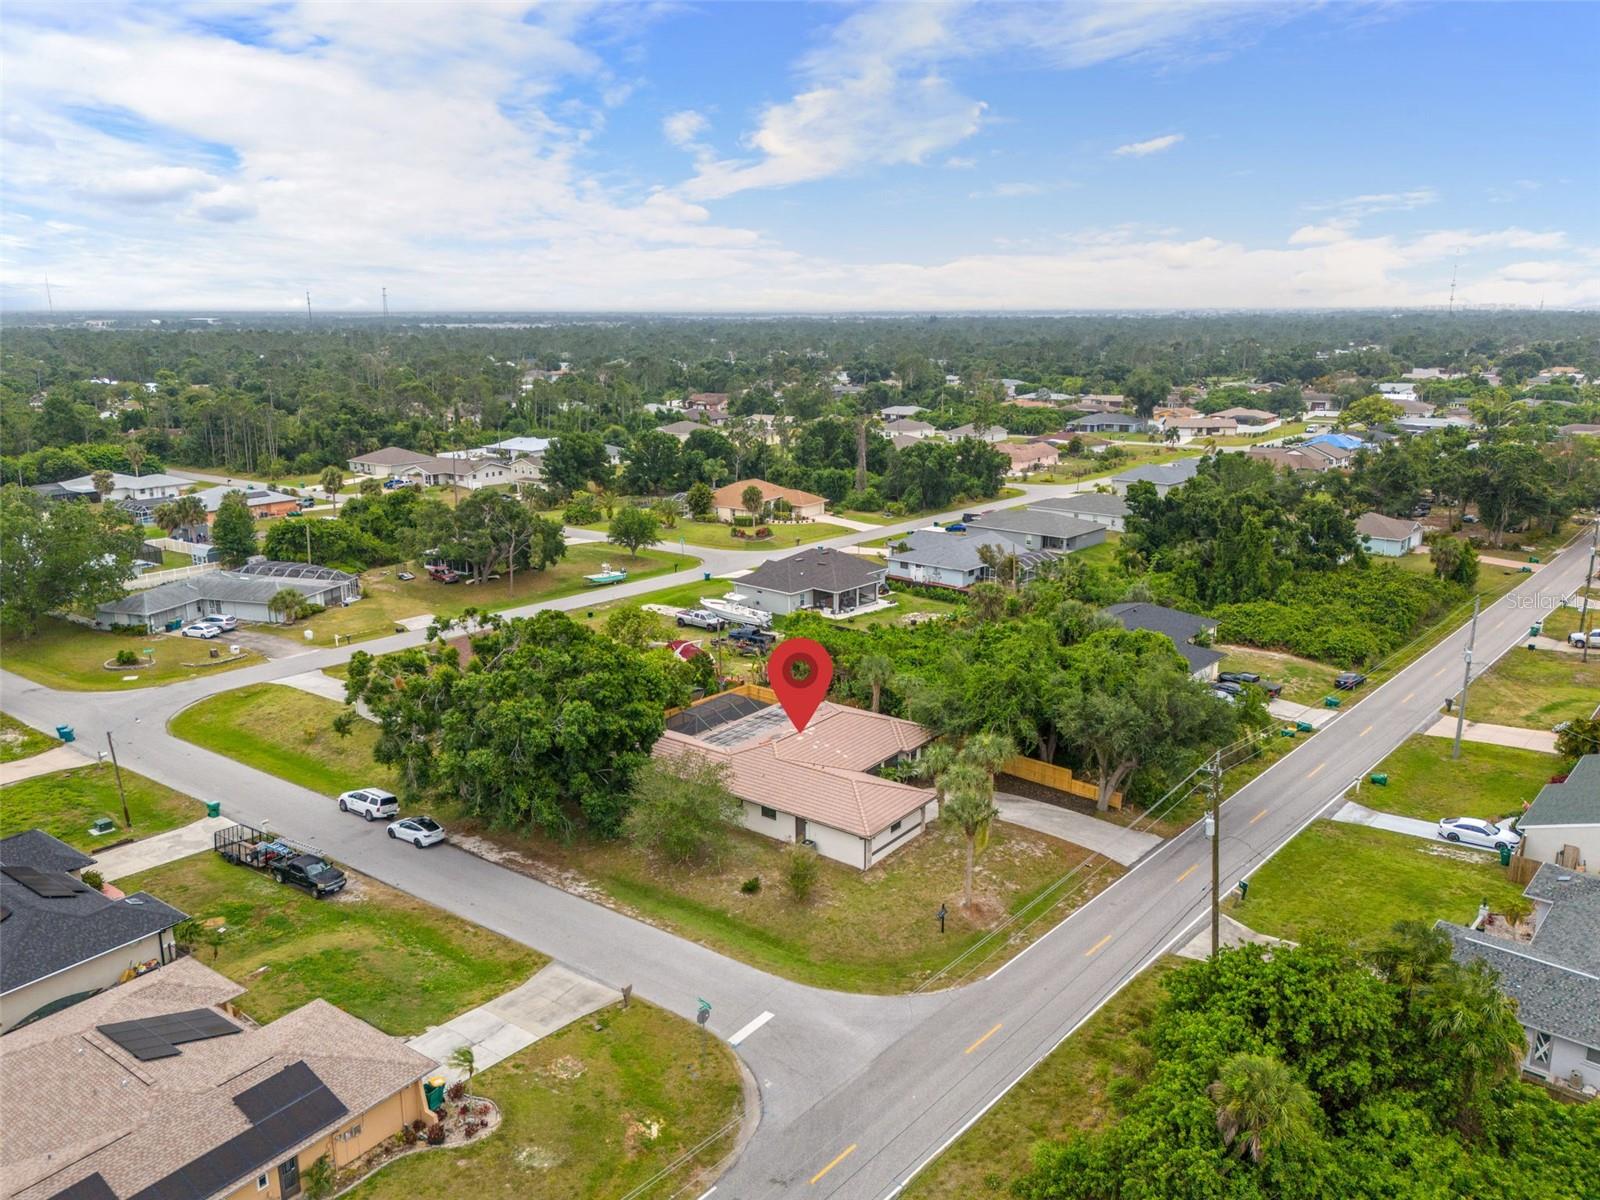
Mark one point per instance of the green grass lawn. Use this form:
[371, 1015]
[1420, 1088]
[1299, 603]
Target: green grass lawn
[717, 536]
[1536, 690]
[1486, 781]
[688, 595]
[72, 657]
[1070, 1091]
[21, 741]
[287, 733]
[1356, 882]
[387, 599]
[1090, 466]
[1494, 581]
[377, 953]
[590, 1113]
[66, 803]
[1305, 681]
[1563, 621]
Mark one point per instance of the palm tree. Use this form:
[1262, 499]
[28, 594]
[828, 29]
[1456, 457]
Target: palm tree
[875, 670]
[135, 453]
[1260, 1104]
[166, 517]
[969, 803]
[103, 481]
[752, 501]
[989, 751]
[1413, 955]
[190, 512]
[286, 603]
[1475, 1023]
[462, 1059]
[331, 480]
[1002, 563]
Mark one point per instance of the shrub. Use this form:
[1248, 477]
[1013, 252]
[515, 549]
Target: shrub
[407, 1136]
[436, 1134]
[800, 870]
[751, 886]
[763, 532]
[419, 1125]
[127, 658]
[456, 1090]
[581, 510]
[94, 879]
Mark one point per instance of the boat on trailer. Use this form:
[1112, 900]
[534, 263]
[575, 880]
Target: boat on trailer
[735, 607]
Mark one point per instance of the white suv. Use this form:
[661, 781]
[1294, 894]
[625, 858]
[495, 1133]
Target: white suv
[371, 803]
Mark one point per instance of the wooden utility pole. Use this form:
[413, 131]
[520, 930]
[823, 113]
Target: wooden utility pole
[1588, 583]
[1466, 655]
[116, 768]
[1214, 829]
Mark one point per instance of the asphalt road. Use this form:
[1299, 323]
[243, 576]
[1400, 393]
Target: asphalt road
[857, 1092]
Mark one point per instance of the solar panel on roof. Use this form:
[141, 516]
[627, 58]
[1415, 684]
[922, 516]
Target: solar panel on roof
[50, 885]
[277, 1092]
[159, 1037]
[91, 1187]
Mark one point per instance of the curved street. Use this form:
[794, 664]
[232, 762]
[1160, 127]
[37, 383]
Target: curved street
[857, 1092]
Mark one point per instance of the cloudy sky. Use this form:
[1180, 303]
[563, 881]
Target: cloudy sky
[744, 156]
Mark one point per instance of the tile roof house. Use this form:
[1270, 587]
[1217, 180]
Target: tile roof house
[1566, 814]
[831, 581]
[814, 786]
[470, 473]
[244, 594]
[682, 430]
[1183, 628]
[1039, 529]
[160, 1090]
[1033, 456]
[937, 558]
[1256, 419]
[1302, 458]
[728, 501]
[1189, 428]
[906, 427]
[1103, 508]
[1388, 537]
[62, 940]
[1165, 476]
[1554, 977]
[1107, 422]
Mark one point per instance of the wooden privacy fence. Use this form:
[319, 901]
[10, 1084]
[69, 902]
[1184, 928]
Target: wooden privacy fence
[1059, 778]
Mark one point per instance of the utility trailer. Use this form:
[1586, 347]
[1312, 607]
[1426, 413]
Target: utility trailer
[287, 862]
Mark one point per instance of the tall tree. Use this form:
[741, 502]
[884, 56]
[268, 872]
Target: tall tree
[233, 530]
[59, 556]
[969, 805]
[634, 528]
[1260, 1105]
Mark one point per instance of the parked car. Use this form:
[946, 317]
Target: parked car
[1271, 688]
[311, 873]
[419, 831]
[226, 622]
[371, 803]
[390, 484]
[440, 573]
[1348, 681]
[1238, 677]
[1472, 832]
[701, 618]
[1222, 695]
[307, 502]
[1228, 686]
[1468, 519]
[200, 630]
[1576, 638]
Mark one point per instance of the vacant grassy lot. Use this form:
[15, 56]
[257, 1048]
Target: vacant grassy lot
[590, 1112]
[72, 658]
[1356, 882]
[1486, 781]
[867, 932]
[21, 741]
[1536, 690]
[1494, 580]
[377, 953]
[66, 803]
[388, 599]
[876, 517]
[1567, 620]
[718, 536]
[287, 733]
[1305, 681]
[1091, 466]
[1068, 1092]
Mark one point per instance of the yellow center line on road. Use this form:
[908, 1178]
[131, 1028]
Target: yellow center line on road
[1316, 769]
[843, 1154]
[1258, 816]
[1094, 949]
[983, 1039]
[1365, 731]
[1408, 699]
[1189, 872]
[1439, 672]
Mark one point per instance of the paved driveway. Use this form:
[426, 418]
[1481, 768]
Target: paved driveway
[1359, 814]
[1122, 845]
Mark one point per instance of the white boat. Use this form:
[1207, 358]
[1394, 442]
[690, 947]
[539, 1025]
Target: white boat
[733, 607]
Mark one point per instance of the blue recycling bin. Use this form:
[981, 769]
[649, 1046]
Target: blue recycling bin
[65, 733]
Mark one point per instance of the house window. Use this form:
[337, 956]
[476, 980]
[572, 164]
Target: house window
[261, 1182]
[1592, 1055]
[770, 814]
[895, 828]
[1539, 1058]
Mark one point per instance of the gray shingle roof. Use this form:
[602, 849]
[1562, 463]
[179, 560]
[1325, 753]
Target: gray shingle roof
[1162, 474]
[389, 456]
[1104, 503]
[1176, 624]
[1550, 995]
[1575, 802]
[254, 584]
[35, 848]
[959, 551]
[827, 570]
[1037, 521]
[44, 935]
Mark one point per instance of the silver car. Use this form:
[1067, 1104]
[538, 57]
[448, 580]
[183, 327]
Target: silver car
[1472, 832]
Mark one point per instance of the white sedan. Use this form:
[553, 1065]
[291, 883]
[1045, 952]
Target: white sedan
[419, 831]
[201, 631]
[1473, 832]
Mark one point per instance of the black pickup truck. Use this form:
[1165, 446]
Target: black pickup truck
[288, 863]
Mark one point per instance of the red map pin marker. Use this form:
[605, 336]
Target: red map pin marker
[800, 671]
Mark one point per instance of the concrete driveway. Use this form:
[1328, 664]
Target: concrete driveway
[1121, 845]
[1359, 814]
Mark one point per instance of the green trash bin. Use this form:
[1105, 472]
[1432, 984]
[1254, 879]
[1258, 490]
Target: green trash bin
[1331, 702]
[433, 1092]
[65, 733]
[1303, 726]
[1379, 778]
[213, 808]
[1505, 856]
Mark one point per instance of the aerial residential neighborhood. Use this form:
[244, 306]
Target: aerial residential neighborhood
[736, 602]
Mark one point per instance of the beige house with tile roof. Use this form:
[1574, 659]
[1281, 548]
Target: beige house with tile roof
[729, 500]
[160, 1089]
[814, 786]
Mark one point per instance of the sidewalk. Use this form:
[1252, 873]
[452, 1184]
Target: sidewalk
[159, 850]
[62, 758]
[551, 1000]
[1359, 814]
[1315, 716]
[1496, 735]
[1116, 842]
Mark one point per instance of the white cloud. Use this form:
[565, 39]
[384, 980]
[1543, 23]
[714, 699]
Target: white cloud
[1154, 145]
[153, 185]
[957, 163]
[1008, 191]
[1380, 202]
[684, 128]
